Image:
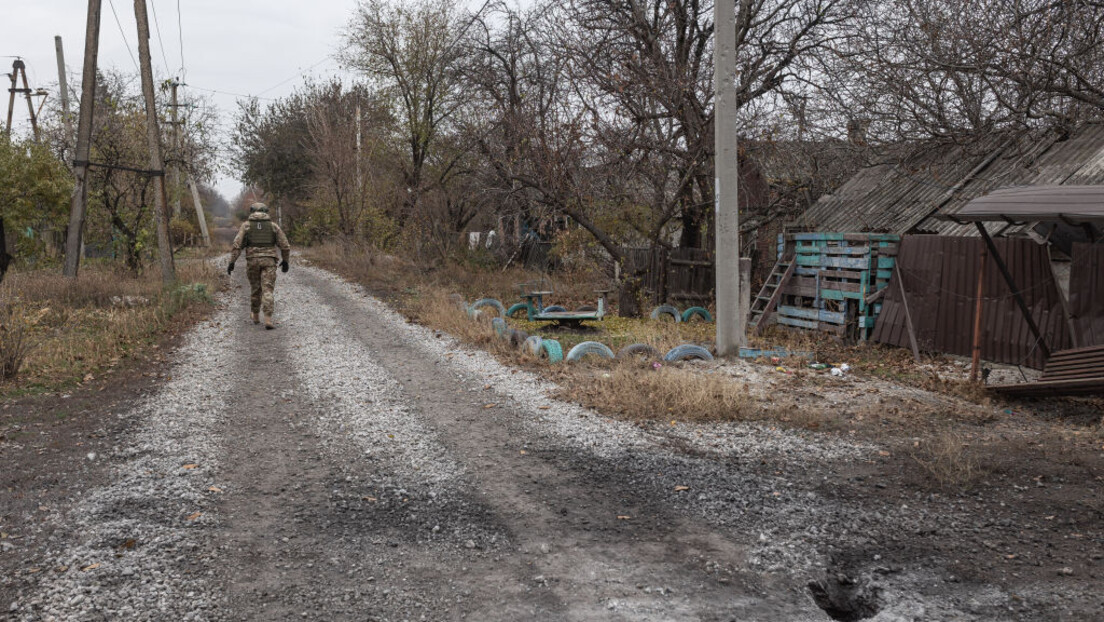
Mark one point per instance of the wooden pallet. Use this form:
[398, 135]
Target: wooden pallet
[834, 281]
[1079, 371]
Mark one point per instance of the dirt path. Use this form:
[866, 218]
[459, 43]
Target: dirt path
[349, 466]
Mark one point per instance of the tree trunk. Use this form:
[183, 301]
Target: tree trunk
[5, 258]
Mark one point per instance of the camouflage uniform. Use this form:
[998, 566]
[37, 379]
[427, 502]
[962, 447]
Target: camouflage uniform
[261, 265]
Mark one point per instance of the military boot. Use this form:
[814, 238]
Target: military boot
[269, 324]
[256, 318]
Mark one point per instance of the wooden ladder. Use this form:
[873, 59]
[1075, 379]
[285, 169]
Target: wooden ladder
[767, 300]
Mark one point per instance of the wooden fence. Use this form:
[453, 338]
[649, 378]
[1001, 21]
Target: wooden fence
[658, 275]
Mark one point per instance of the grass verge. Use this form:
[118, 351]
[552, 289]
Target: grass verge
[65, 332]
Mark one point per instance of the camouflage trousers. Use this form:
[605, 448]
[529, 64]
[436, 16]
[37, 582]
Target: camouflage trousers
[262, 285]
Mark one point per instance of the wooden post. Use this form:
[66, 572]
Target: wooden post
[975, 361]
[153, 137]
[84, 141]
[908, 314]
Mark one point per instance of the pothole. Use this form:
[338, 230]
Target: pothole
[846, 599]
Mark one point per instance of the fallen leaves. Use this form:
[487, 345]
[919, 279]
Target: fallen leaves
[214, 489]
[681, 488]
[195, 515]
[492, 405]
[90, 567]
[190, 466]
[623, 517]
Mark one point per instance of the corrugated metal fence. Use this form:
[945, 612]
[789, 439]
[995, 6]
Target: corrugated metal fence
[1086, 299]
[940, 282]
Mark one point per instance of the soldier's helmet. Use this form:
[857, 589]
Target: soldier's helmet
[258, 207]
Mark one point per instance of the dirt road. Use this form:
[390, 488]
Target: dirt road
[351, 466]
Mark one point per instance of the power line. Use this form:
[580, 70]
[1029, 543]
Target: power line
[123, 33]
[180, 36]
[160, 41]
[245, 95]
[297, 75]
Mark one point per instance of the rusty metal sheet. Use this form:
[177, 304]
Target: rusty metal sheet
[939, 275]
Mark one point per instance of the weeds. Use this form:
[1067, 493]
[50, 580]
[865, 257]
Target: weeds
[947, 460]
[81, 326]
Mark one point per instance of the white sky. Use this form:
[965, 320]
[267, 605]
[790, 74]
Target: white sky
[254, 47]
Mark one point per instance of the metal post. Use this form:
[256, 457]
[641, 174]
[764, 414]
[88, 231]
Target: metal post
[975, 361]
[84, 141]
[153, 137]
[731, 332]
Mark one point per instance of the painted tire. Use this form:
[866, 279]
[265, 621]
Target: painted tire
[551, 348]
[701, 312]
[499, 326]
[489, 302]
[686, 352]
[554, 309]
[589, 347]
[517, 310]
[517, 337]
[533, 345]
[662, 310]
[641, 350]
[586, 309]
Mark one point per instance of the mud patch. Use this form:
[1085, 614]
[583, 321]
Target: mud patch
[844, 598]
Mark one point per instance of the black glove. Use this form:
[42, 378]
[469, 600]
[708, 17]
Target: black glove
[284, 266]
[230, 268]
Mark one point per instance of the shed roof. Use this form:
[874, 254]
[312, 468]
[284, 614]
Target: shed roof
[1073, 205]
[922, 190]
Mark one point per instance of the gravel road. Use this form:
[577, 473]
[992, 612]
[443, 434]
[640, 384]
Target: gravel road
[352, 466]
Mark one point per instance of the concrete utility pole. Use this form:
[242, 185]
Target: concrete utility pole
[731, 333]
[84, 141]
[153, 137]
[63, 85]
[19, 68]
[176, 152]
[199, 213]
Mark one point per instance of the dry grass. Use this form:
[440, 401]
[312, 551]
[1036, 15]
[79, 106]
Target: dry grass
[83, 327]
[636, 392]
[947, 460]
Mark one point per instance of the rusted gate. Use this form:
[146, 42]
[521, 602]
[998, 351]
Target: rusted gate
[939, 278]
[658, 275]
[1086, 294]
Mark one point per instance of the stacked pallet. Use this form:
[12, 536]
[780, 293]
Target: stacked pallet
[836, 281]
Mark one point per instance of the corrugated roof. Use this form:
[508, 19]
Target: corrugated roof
[915, 194]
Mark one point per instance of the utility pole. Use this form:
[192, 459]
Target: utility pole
[176, 151]
[731, 332]
[84, 141]
[199, 213]
[63, 85]
[19, 68]
[153, 137]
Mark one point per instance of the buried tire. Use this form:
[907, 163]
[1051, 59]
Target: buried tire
[499, 326]
[638, 350]
[516, 309]
[589, 347]
[489, 302]
[686, 352]
[663, 310]
[693, 312]
[517, 337]
[551, 349]
[533, 345]
[554, 309]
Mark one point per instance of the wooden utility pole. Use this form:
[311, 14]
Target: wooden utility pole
[84, 141]
[731, 330]
[153, 137]
[975, 359]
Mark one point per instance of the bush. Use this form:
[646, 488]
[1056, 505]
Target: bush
[15, 340]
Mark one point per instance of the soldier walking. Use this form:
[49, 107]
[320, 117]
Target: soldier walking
[260, 237]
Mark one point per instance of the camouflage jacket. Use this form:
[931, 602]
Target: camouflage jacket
[257, 253]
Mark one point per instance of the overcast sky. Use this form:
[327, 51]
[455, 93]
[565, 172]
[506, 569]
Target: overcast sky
[248, 47]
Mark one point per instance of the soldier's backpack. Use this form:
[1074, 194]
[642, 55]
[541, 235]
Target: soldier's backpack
[260, 234]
